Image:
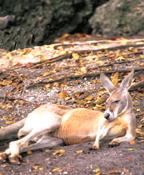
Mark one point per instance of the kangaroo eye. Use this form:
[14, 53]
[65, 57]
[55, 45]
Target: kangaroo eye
[116, 101]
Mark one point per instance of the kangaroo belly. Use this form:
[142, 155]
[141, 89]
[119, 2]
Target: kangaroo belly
[80, 126]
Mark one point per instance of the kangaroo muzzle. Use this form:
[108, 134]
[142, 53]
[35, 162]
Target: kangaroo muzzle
[106, 116]
[109, 115]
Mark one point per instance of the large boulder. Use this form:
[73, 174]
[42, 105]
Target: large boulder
[24, 23]
[119, 17]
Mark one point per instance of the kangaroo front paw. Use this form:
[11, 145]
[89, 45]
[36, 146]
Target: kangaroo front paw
[94, 147]
[3, 157]
[15, 159]
[132, 142]
[114, 143]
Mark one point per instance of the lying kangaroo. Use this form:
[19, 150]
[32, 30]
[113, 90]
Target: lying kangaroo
[50, 125]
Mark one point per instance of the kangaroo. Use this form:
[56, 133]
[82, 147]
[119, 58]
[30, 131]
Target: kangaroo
[53, 125]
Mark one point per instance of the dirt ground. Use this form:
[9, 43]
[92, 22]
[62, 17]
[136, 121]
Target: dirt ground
[80, 160]
[73, 81]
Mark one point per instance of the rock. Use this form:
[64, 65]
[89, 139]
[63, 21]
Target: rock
[39, 22]
[119, 17]
[6, 20]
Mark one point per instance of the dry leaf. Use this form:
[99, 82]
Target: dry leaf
[9, 122]
[100, 100]
[79, 151]
[89, 98]
[59, 152]
[120, 58]
[64, 95]
[37, 167]
[56, 170]
[25, 51]
[115, 78]
[97, 171]
[5, 82]
[83, 70]
[75, 56]
[131, 149]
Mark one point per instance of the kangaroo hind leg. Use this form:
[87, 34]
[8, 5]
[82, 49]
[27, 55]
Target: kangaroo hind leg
[44, 142]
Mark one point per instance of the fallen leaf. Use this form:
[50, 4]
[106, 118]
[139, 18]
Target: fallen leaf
[89, 98]
[56, 170]
[75, 56]
[131, 149]
[83, 70]
[37, 167]
[115, 78]
[97, 171]
[59, 152]
[63, 94]
[120, 58]
[5, 82]
[79, 151]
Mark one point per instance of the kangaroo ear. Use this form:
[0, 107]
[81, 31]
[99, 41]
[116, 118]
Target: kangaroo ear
[126, 83]
[106, 82]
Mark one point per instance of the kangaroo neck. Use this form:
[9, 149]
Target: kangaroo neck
[129, 108]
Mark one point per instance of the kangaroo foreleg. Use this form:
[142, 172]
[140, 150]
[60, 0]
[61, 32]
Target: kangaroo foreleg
[10, 131]
[128, 137]
[101, 133]
[119, 140]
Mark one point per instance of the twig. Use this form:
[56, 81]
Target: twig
[118, 62]
[105, 48]
[34, 65]
[58, 58]
[90, 42]
[137, 85]
[140, 114]
[72, 77]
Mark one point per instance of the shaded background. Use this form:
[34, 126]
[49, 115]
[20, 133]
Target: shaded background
[39, 22]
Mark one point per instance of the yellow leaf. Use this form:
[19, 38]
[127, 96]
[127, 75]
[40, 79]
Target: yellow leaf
[59, 152]
[46, 73]
[9, 122]
[5, 82]
[120, 58]
[115, 78]
[97, 171]
[83, 70]
[37, 167]
[25, 51]
[89, 98]
[56, 170]
[131, 149]
[79, 151]
[63, 95]
[75, 56]
[99, 107]
[100, 100]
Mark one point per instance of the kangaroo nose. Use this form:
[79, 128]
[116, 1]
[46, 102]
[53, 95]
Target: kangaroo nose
[106, 115]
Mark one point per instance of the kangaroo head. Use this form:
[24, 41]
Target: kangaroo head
[119, 99]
